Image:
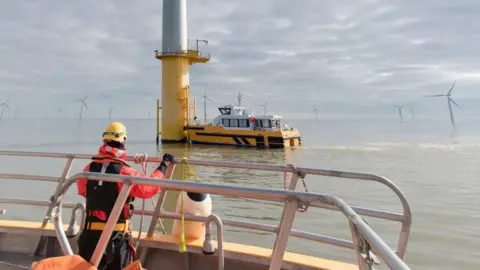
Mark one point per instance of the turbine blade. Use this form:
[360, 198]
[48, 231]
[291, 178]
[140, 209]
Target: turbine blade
[453, 102]
[85, 104]
[452, 87]
[85, 97]
[434, 95]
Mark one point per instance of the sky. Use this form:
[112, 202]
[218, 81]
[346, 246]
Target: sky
[349, 57]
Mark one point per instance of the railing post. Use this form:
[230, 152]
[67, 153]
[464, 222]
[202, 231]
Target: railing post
[283, 234]
[158, 206]
[66, 171]
[112, 220]
[156, 213]
[356, 247]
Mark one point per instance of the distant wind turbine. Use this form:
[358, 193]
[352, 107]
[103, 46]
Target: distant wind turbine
[205, 97]
[4, 104]
[83, 103]
[411, 113]
[58, 113]
[110, 113]
[400, 107]
[450, 101]
[316, 111]
[15, 116]
[264, 107]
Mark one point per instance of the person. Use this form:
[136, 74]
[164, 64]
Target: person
[101, 196]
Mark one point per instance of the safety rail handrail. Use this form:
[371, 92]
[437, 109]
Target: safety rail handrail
[228, 222]
[360, 229]
[405, 218]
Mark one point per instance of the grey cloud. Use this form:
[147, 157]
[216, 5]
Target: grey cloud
[288, 52]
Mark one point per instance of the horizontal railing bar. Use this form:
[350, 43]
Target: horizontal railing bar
[33, 202]
[230, 164]
[223, 190]
[232, 223]
[359, 210]
[366, 212]
[29, 177]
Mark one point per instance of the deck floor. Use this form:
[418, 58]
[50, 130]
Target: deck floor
[13, 261]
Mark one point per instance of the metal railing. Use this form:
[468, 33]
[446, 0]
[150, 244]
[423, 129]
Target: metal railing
[360, 243]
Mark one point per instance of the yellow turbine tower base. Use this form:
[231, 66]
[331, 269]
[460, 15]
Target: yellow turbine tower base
[175, 103]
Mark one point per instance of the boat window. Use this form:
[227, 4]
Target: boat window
[224, 111]
[225, 122]
[258, 123]
[243, 123]
[267, 123]
[234, 122]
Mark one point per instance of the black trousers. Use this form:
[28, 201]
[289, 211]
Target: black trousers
[117, 254]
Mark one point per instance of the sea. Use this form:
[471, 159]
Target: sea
[435, 165]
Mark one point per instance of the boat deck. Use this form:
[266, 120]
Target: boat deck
[13, 232]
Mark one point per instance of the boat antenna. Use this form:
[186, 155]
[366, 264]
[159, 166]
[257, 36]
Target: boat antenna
[315, 111]
[239, 99]
[4, 104]
[400, 107]
[82, 104]
[450, 101]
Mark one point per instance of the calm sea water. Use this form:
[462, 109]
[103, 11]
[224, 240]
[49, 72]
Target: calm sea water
[434, 166]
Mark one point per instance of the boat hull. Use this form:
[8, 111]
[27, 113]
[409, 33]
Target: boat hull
[213, 135]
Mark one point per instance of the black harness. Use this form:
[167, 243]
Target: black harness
[102, 195]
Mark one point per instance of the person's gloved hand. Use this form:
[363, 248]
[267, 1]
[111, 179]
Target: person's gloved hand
[166, 160]
[168, 157]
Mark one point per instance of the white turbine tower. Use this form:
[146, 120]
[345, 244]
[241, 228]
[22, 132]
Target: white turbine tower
[82, 103]
[110, 113]
[450, 101]
[315, 111]
[58, 113]
[205, 97]
[4, 104]
[400, 107]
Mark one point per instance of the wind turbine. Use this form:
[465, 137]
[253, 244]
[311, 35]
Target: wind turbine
[83, 103]
[205, 97]
[450, 101]
[411, 113]
[316, 111]
[58, 113]
[4, 104]
[264, 107]
[400, 107]
[15, 116]
[110, 113]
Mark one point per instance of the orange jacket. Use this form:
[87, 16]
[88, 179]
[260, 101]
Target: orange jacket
[110, 154]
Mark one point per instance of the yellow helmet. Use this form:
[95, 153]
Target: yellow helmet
[116, 131]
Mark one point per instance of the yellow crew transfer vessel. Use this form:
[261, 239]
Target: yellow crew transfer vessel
[235, 126]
